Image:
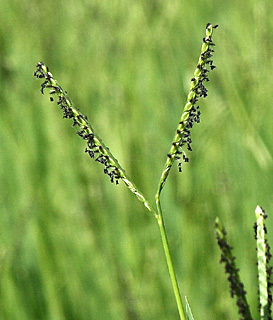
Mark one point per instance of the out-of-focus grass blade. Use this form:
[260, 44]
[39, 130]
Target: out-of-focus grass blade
[189, 314]
[264, 271]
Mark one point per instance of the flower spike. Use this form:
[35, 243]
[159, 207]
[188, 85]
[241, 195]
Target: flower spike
[95, 148]
[191, 113]
[237, 290]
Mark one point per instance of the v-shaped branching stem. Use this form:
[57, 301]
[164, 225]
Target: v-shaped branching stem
[97, 150]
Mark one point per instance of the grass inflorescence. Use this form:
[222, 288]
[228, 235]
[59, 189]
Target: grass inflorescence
[191, 113]
[95, 148]
[237, 289]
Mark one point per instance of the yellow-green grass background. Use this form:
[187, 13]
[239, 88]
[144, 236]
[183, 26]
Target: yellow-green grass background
[75, 246]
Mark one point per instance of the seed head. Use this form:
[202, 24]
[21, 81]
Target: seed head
[95, 148]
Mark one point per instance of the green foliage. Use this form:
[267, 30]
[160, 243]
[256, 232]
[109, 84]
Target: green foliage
[71, 247]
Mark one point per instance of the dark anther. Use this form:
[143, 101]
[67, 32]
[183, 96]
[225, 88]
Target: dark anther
[180, 167]
[193, 100]
[100, 159]
[91, 143]
[204, 71]
[43, 86]
[182, 142]
[80, 116]
[60, 100]
[210, 62]
[48, 76]
[186, 133]
[90, 152]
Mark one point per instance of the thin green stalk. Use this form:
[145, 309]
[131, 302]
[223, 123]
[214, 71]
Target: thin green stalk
[168, 257]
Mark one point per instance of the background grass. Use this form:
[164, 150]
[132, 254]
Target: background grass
[74, 246]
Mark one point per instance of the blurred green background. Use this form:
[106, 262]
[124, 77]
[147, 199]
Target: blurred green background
[73, 245]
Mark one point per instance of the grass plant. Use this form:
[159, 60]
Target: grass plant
[74, 246]
[100, 153]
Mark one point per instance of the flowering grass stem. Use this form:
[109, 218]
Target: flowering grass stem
[97, 150]
[190, 115]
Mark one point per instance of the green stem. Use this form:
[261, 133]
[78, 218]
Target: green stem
[168, 257]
